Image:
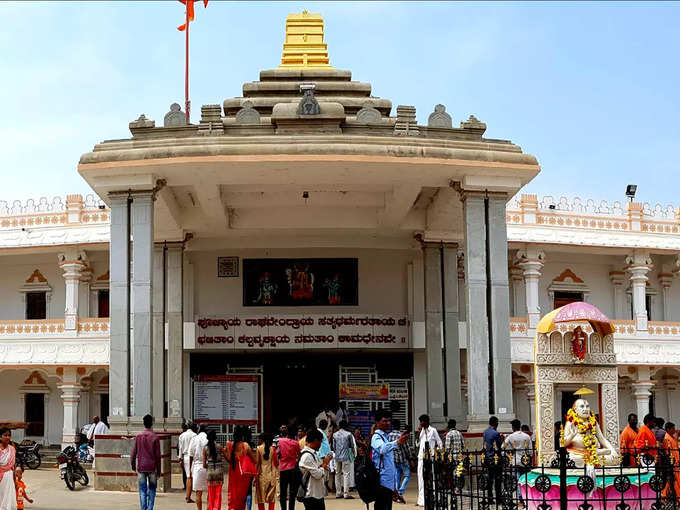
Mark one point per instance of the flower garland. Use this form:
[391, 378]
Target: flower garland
[587, 429]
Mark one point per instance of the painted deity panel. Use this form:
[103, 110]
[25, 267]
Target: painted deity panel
[300, 282]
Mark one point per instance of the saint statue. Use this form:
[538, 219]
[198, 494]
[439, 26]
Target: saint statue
[584, 439]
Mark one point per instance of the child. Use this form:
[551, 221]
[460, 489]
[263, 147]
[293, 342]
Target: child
[21, 489]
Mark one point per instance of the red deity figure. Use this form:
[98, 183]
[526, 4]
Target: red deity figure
[578, 344]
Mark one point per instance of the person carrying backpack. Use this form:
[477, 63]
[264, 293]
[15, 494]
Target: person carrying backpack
[313, 489]
[383, 458]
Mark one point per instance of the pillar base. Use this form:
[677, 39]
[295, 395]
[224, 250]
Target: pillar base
[112, 470]
[174, 424]
[118, 424]
[480, 422]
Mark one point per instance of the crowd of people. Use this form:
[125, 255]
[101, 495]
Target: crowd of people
[301, 463]
[305, 463]
[654, 435]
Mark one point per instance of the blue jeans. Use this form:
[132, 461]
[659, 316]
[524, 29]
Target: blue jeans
[405, 470]
[147, 490]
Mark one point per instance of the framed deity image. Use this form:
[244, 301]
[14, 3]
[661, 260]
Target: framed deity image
[227, 267]
[301, 282]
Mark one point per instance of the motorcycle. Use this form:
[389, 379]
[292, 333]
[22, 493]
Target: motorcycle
[28, 454]
[70, 469]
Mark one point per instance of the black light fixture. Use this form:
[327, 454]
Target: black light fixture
[551, 207]
[630, 191]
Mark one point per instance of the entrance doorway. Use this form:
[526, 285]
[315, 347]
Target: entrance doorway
[299, 384]
[104, 408]
[299, 388]
[568, 399]
[35, 414]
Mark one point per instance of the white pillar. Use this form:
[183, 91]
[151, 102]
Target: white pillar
[476, 307]
[175, 322]
[72, 262]
[666, 279]
[531, 259]
[618, 278]
[119, 331]
[518, 293]
[70, 396]
[46, 426]
[454, 402]
[433, 332]
[142, 264]
[499, 305]
[639, 264]
[670, 391]
[158, 349]
[84, 293]
[642, 392]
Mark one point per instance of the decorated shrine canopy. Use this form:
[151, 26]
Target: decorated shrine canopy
[575, 312]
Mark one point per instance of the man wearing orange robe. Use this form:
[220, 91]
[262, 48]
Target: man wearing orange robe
[627, 440]
[670, 444]
[646, 440]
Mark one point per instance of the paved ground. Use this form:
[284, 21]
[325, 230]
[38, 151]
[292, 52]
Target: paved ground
[50, 493]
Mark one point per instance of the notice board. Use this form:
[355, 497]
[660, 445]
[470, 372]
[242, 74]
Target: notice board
[227, 399]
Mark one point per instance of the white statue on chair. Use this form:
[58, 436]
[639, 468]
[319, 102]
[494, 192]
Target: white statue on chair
[584, 439]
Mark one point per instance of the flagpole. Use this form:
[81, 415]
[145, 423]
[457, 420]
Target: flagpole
[187, 104]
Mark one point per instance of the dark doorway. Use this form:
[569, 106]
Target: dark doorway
[103, 303]
[300, 387]
[568, 399]
[564, 298]
[104, 408]
[36, 305]
[35, 414]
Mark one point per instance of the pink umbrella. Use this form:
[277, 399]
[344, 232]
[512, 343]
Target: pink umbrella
[580, 311]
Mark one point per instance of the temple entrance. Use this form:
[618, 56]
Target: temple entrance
[297, 385]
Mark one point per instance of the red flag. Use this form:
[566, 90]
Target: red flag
[190, 11]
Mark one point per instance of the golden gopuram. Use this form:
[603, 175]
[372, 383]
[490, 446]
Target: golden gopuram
[304, 46]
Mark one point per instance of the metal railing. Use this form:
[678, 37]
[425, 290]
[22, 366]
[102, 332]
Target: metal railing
[509, 480]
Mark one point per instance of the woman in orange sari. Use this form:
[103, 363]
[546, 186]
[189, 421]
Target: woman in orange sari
[239, 481]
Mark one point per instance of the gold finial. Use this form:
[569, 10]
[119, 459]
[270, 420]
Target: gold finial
[561, 435]
[304, 47]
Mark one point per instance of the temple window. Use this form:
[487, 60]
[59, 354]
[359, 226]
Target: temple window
[36, 305]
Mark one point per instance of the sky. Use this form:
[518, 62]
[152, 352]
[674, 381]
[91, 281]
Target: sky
[591, 89]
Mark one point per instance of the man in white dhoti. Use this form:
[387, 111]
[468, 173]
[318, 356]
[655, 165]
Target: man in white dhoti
[429, 435]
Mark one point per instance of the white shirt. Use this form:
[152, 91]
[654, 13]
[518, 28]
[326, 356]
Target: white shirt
[184, 442]
[520, 442]
[429, 435]
[310, 463]
[100, 429]
[196, 447]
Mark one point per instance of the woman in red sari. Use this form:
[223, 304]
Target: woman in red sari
[239, 482]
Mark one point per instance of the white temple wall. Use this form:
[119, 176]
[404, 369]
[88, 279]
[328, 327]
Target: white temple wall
[627, 405]
[592, 269]
[11, 380]
[383, 283]
[522, 410]
[15, 270]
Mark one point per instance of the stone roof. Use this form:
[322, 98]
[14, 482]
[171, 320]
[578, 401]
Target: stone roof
[308, 103]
